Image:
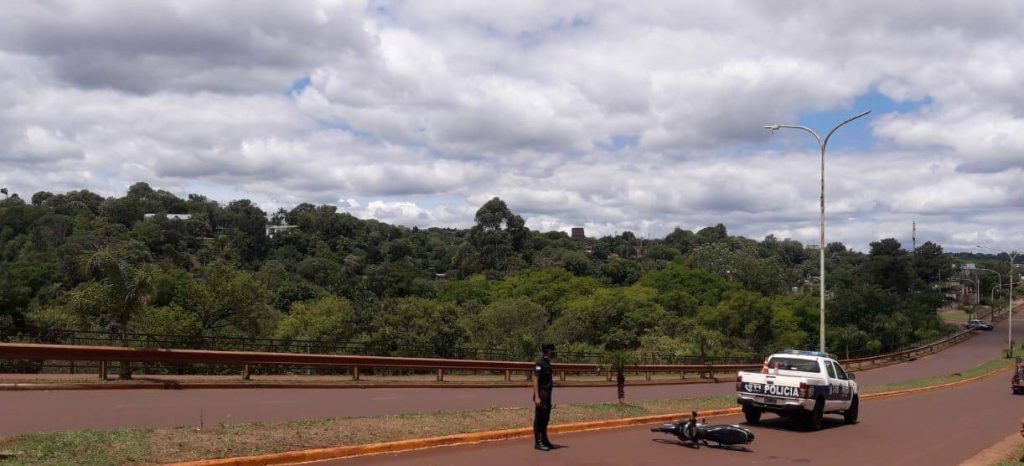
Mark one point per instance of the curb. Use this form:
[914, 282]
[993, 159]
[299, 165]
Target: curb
[911, 391]
[353, 451]
[1002, 450]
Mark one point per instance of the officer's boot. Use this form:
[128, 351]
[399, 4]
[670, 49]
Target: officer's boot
[539, 444]
[546, 442]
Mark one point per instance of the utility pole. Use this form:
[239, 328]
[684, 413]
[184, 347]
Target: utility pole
[913, 236]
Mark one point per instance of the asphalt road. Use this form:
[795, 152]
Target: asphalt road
[48, 411]
[942, 427]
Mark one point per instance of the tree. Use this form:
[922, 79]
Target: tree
[330, 319]
[682, 290]
[930, 261]
[710, 235]
[125, 290]
[716, 258]
[620, 271]
[226, 300]
[245, 226]
[498, 237]
[408, 326]
[617, 361]
[680, 239]
[888, 265]
[517, 325]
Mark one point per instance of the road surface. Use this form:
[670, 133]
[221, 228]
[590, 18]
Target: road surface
[942, 427]
[49, 411]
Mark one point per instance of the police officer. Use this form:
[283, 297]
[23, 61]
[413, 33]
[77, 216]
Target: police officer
[542, 387]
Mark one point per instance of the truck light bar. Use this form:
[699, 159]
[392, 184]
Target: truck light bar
[807, 353]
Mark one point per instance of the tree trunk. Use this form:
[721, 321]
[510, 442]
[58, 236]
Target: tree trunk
[620, 383]
[126, 367]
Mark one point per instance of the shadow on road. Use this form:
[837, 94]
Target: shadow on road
[793, 424]
[696, 447]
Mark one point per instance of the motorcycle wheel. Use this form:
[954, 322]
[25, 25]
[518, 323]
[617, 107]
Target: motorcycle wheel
[813, 419]
[752, 414]
[850, 415]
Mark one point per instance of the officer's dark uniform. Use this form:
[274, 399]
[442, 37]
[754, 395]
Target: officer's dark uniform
[542, 412]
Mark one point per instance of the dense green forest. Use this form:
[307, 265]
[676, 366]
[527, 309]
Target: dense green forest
[78, 260]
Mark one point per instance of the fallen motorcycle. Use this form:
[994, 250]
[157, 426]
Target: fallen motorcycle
[696, 432]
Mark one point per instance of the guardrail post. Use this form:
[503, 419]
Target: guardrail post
[103, 370]
[647, 375]
[440, 375]
[246, 372]
[682, 375]
[561, 376]
[608, 376]
[508, 375]
[355, 373]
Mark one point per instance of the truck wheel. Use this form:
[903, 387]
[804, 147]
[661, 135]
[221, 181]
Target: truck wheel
[752, 414]
[813, 419]
[850, 415]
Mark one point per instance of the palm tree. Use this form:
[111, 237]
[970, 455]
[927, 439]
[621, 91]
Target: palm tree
[129, 288]
[618, 361]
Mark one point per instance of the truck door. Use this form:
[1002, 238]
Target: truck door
[840, 391]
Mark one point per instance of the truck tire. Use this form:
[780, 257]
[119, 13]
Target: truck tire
[752, 414]
[813, 419]
[850, 415]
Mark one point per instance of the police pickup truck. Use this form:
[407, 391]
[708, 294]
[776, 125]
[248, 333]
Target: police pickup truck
[803, 384]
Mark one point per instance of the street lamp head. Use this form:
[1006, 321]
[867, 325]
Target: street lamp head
[773, 127]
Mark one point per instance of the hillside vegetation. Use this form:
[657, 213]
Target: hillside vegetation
[80, 261]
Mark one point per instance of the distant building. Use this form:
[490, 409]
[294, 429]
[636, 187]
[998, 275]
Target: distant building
[577, 233]
[274, 230]
[170, 216]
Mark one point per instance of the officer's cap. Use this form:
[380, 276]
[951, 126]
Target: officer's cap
[548, 347]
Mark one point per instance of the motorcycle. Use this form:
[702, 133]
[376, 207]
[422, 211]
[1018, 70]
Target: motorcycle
[696, 433]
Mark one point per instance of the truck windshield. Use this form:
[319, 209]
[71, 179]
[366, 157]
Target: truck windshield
[794, 364]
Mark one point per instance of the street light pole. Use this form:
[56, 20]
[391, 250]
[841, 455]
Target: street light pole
[993, 293]
[979, 282]
[1009, 328]
[822, 143]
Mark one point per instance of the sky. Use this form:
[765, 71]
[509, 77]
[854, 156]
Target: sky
[641, 116]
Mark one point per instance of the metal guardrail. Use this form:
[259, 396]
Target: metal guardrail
[354, 363]
[105, 354]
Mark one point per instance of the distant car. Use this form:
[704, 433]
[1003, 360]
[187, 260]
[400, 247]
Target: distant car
[978, 324]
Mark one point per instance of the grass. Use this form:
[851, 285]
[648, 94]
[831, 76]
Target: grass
[980, 369]
[1013, 459]
[149, 446]
[84, 447]
[953, 315]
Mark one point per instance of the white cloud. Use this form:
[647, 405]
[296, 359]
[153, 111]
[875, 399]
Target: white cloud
[613, 116]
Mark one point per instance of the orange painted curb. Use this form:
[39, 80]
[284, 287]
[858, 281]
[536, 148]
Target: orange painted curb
[302, 456]
[910, 391]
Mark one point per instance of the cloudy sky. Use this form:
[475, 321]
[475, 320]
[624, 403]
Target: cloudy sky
[614, 115]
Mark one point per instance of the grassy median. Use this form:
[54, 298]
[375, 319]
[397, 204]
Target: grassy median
[149, 446]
